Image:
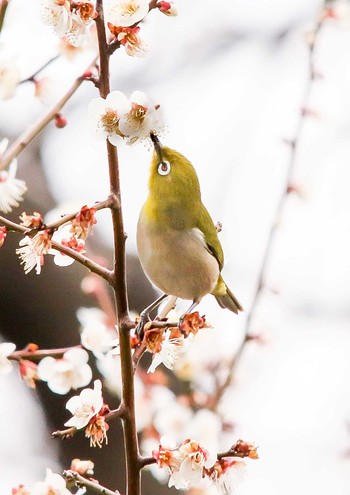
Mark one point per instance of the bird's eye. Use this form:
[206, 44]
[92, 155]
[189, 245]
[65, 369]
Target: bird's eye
[164, 168]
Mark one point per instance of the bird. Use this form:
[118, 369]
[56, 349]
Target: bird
[177, 240]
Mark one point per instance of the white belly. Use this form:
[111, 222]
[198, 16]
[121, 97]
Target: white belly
[177, 262]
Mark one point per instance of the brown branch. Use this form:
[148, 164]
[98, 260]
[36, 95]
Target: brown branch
[3, 9]
[40, 353]
[119, 282]
[44, 66]
[67, 433]
[294, 145]
[67, 218]
[79, 481]
[80, 258]
[22, 142]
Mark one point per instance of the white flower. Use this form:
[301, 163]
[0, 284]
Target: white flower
[130, 38]
[69, 22]
[104, 115]
[71, 371]
[171, 349]
[190, 472]
[126, 12]
[61, 234]
[85, 406]
[56, 13]
[6, 348]
[54, 484]
[31, 252]
[11, 189]
[9, 78]
[173, 419]
[226, 474]
[141, 119]
[95, 336]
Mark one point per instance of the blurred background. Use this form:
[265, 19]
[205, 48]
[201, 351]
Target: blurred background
[231, 80]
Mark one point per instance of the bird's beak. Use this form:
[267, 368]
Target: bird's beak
[157, 147]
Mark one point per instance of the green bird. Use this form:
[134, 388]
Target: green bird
[177, 241]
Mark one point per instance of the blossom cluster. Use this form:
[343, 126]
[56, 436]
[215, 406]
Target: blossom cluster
[71, 234]
[120, 118]
[72, 20]
[69, 19]
[190, 464]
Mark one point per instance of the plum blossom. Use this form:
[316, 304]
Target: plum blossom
[71, 371]
[69, 20]
[56, 13]
[95, 336]
[6, 348]
[104, 115]
[118, 117]
[11, 189]
[186, 464]
[130, 39]
[171, 348]
[64, 236]
[226, 474]
[141, 119]
[194, 459]
[85, 406]
[32, 250]
[54, 484]
[126, 12]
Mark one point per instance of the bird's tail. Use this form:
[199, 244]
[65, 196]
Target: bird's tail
[225, 298]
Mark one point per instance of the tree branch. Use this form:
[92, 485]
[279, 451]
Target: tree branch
[286, 190]
[79, 481]
[22, 142]
[80, 258]
[40, 353]
[119, 281]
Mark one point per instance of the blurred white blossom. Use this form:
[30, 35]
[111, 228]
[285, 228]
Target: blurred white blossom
[6, 348]
[9, 78]
[71, 371]
[118, 117]
[95, 336]
[11, 189]
[54, 484]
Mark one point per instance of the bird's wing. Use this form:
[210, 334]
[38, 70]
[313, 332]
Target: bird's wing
[206, 225]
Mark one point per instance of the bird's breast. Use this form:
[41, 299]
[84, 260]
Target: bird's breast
[176, 261]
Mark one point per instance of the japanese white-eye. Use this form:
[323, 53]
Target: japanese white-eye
[177, 240]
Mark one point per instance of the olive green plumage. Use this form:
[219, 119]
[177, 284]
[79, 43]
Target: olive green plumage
[178, 245]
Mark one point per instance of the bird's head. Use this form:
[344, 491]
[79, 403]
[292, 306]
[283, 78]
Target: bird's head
[172, 176]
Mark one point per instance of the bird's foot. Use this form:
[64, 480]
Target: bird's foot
[139, 329]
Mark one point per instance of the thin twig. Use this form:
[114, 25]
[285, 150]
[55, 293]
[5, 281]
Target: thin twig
[294, 145]
[44, 66]
[80, 258]
[100, 205]
[67, 433]
[79, 481]
[40, 353]
[22, 142]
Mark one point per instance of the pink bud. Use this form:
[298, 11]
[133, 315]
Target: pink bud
[60, 121]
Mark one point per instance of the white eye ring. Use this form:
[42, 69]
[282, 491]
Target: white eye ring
[164, 168]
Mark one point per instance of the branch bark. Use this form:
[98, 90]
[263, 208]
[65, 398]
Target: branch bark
[119, 282]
